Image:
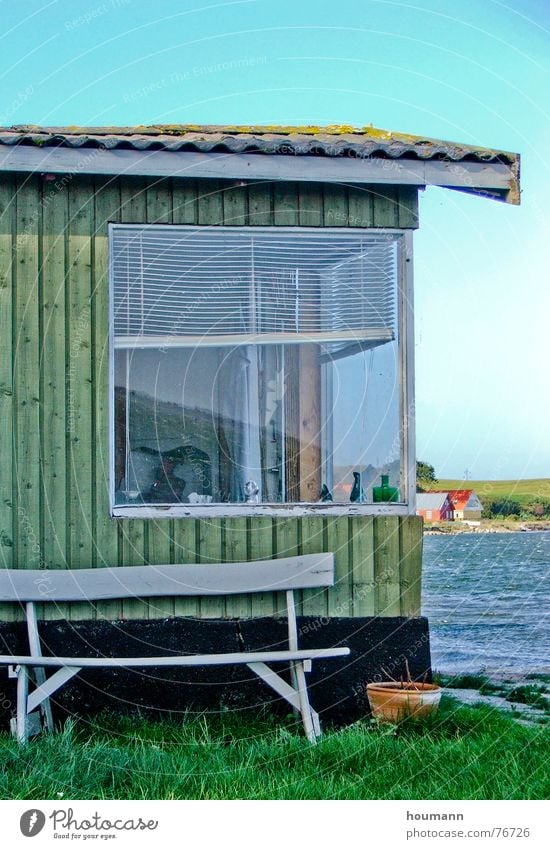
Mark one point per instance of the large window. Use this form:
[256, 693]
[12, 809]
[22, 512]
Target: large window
[255, 366]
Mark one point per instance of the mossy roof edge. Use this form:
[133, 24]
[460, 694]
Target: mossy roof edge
[332, 140]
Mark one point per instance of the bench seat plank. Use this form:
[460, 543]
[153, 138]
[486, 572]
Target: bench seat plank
[176, 660]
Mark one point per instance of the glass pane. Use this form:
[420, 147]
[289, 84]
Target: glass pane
[365, 431]
[186, 424]
[265, 423]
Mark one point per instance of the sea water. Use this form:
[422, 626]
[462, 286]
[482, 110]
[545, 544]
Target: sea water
[487, 600]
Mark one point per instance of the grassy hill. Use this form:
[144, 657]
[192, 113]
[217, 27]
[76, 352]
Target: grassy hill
[522, 491]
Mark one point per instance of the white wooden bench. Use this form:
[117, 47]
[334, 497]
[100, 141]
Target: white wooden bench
[90, 585]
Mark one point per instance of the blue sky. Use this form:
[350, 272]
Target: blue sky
[474, 71]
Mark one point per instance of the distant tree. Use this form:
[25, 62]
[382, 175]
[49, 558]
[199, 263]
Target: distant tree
[505, 507]
[540, 508]
[425, 475]
[487, 512]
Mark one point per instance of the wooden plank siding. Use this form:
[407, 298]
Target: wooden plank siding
[137, 200]
[27, 295]
[7, 496]
[53, 388]
[78, 349]
[54, 368]
[159, 211]
[107, 209]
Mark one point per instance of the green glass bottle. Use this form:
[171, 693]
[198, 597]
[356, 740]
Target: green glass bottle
[385, 492]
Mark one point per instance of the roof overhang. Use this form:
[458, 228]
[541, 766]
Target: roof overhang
[491, 179]
[364, 156]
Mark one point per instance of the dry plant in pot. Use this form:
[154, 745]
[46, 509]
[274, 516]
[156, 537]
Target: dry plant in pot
[395, 700]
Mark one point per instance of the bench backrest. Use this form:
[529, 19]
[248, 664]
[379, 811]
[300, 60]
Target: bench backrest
[287, 573]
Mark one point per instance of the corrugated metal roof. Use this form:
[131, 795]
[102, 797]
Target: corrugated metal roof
[337, 140]
[430, 500]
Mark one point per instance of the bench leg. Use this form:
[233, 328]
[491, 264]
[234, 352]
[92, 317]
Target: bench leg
[296, 696]
[39, 673]
[43, 691]
[294, 682]
[316, 723]
[30, 705]
[45, 707]
[22, 693]
[305, 707]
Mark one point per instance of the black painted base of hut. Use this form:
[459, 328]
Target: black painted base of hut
[337, 687]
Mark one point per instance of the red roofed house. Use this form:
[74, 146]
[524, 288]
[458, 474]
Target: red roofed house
[434, 506]
[465, 503]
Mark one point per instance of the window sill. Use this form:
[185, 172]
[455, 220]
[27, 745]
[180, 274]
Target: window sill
[288, 511]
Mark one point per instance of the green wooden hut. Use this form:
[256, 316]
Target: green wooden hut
[207, 356]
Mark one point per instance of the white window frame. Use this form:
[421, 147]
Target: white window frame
[405, 325]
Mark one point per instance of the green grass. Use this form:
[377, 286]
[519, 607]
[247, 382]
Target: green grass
[468, 682]
[530, 694]
[462, 753]
[538, 676]
[522, 491]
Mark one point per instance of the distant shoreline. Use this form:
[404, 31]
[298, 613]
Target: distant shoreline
[486, 526]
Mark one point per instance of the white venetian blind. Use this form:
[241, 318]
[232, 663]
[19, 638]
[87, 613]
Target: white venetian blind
[176, 286]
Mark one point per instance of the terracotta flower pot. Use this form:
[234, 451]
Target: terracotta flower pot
[391, 702]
